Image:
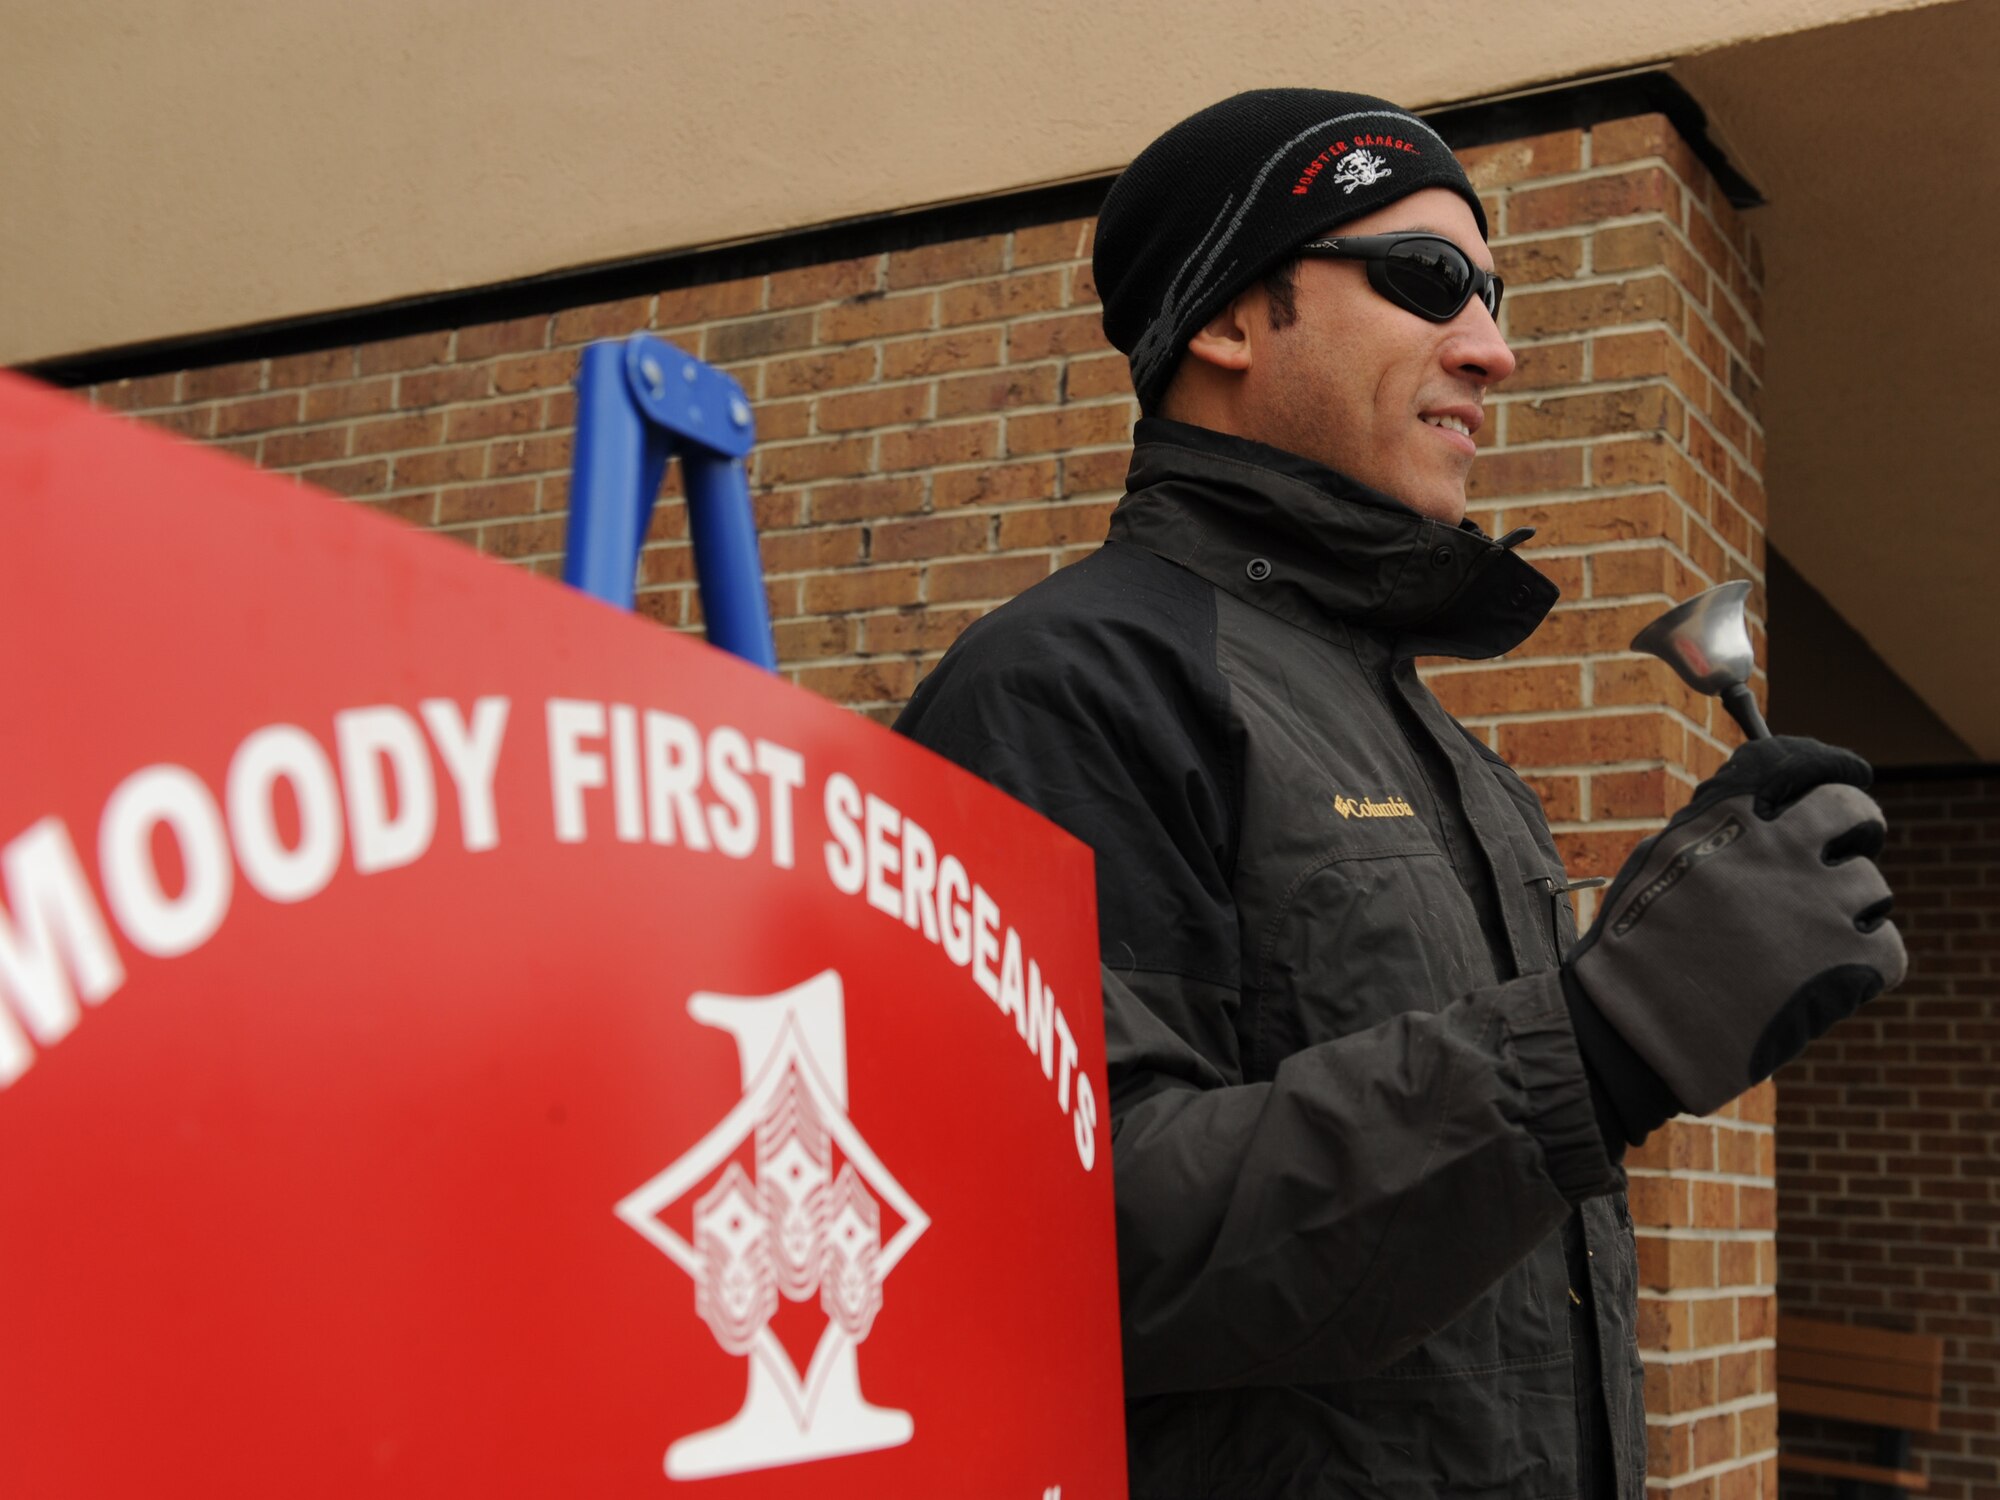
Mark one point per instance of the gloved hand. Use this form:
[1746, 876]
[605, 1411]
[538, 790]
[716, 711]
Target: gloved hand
[1749, 925]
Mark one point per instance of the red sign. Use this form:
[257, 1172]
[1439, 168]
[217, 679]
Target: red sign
[458, 1039]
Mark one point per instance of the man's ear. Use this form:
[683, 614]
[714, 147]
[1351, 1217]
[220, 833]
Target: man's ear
[1224, 340]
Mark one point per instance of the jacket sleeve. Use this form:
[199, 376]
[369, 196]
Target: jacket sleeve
[1316, 1227]
[1310, 1228]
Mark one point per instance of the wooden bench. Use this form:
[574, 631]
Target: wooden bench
[1889, 1381]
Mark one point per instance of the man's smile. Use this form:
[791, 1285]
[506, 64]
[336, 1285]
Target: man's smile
[1457, 424]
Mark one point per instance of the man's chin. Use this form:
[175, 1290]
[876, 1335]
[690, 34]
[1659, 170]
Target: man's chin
[1443, 506]
[1439, 497]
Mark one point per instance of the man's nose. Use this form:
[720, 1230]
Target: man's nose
[1476, 348]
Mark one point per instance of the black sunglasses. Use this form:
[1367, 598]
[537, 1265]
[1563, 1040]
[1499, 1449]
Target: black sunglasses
[1422, 273]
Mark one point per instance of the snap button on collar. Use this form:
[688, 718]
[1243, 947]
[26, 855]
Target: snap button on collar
[1257, 569]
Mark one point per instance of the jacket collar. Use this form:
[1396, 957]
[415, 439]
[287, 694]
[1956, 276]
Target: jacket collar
[1319, 550]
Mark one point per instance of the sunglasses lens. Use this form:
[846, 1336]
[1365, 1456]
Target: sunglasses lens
[1432, 280]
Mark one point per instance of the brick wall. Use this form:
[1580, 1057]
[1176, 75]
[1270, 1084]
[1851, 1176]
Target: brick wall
[1887, 1174]
[1630, 437]
[939, 427]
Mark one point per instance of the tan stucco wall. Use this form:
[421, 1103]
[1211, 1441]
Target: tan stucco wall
[176, 168]
[1877, 147]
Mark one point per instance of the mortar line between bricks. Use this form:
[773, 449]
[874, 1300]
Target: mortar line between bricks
[1665, 1357]
[1594, 388]
[1679, 445]
[1736, 1406]
[1581, 232]
[1615, 710]
[1594, 280]
[942, 378]
[1004, 274]
[1675, 549]
[1734, 1292]
[388, 416]
[1565, 493]
[1587, 550]
[1601, 711]
[1604, 605]
[1619, 825]
[997, 414]
[1590, 170]
[1721, 1179]
[1598, 549]
[1728, 550]
[1587, 175]
[1505, 400]
[1612, 767]
[1690, 1482]
[1588, 228]
[1742, 458]
[1722, 285]
[1643, 325]
[1710, 1471]
[1707, 316]
[1601, 386]
[1431, 671]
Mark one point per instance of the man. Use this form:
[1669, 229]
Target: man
[1369, 1092]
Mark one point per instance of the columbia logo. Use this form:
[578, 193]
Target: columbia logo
[1368, 807]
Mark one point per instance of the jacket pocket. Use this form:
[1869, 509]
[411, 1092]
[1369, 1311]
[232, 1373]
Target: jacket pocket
[1358, 940]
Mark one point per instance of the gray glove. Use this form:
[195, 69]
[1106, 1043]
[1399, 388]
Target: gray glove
[1749, 925]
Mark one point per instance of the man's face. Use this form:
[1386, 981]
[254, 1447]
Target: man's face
[1360, 384]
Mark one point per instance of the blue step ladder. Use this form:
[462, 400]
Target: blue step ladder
[640, 402]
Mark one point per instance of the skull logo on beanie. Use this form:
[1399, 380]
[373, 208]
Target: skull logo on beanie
[1231, 191]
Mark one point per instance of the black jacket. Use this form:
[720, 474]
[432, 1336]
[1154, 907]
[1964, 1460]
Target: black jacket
[1370, 1241]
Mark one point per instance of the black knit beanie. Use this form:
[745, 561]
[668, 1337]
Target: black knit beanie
[1232, 191]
